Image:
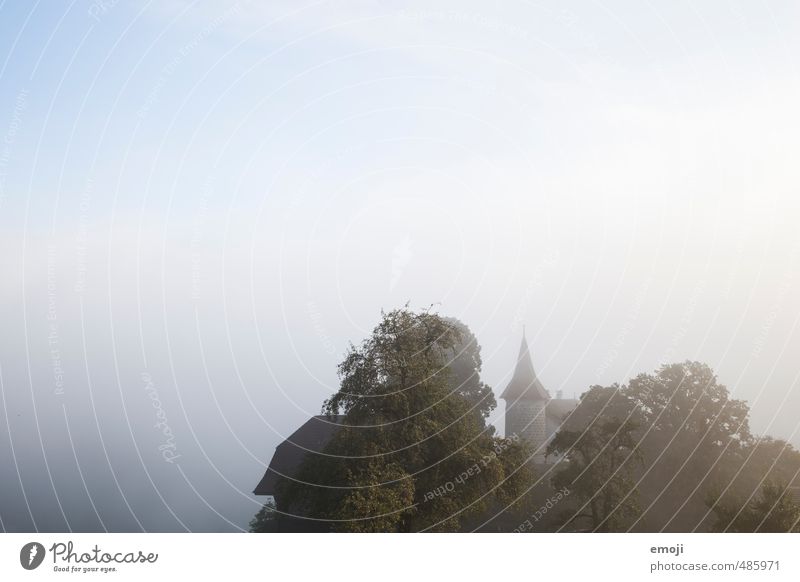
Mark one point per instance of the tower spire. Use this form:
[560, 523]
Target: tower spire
[524, 384]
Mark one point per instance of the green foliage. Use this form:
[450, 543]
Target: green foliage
[265, 520]
[773, 510]
[673, 440]
[415, 452]
[738, 501]
[598, 453]
[668, 451]
[464, 363]
[684, 405]
[692, 433]
[380, 493]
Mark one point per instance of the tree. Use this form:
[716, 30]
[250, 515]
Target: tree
[415, 452]
[598, 453]
[773, 510]
[265, 520]
[759, 472]
[465, 366]
[691, 432]
[684, 405]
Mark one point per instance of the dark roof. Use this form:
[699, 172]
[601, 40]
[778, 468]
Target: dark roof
[310, 438]
[524, 384]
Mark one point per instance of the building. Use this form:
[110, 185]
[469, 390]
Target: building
[531, 413]
[308, 440]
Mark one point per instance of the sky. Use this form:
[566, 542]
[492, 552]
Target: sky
[203, 203]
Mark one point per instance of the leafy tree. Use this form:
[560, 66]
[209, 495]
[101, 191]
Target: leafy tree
[598, 453]
[773, 510]
[381, 493]
[767, 459]
[465, 366]
[691, 433]
[415, 452]
[265, 520]
[698, 466]
[772, 462]
[684, 405]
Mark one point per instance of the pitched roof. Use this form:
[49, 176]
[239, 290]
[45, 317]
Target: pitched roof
[309, 439]
[524, 384]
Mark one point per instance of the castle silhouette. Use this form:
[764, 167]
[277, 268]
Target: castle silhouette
[530, 413]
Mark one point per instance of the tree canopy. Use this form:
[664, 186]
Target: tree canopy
[414, 452]
[670, 450]
[598, 453]
[265, 520]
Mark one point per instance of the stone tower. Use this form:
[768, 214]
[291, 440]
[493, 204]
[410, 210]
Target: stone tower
[526, 404]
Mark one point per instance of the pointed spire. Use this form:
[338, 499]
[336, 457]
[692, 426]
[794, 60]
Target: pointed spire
[524, 384]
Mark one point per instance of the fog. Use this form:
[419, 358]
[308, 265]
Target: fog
[201, 207]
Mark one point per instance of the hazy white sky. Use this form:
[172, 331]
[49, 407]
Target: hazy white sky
[223, 195]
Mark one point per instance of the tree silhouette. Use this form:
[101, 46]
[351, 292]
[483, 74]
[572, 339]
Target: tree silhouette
[414, 452]
[773, 510]
[597, 449]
